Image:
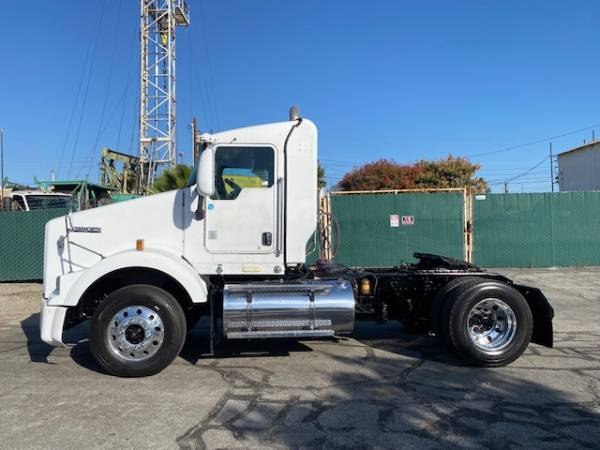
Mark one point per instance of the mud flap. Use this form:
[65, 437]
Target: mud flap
[542, 313]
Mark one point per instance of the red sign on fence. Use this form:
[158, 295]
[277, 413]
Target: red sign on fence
[408, 220]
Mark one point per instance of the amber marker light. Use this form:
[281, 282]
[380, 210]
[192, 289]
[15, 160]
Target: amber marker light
[139, 245]
[365, 286]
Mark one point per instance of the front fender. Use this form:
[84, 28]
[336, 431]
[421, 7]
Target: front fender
[73, 286]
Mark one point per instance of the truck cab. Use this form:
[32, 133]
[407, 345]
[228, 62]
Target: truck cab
[29, 200]
[247, 213]
[245, 218]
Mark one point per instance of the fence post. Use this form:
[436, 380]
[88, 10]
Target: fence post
[325, 228]
[468, 223]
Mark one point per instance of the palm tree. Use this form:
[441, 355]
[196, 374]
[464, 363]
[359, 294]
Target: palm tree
[169, 180]
[321, 182]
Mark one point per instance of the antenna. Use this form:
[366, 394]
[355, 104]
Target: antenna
[159, 19]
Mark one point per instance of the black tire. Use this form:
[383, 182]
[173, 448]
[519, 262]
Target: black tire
[439, 300]
[173, 334]
[461, 299]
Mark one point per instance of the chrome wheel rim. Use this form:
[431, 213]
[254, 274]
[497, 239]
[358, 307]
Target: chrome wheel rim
[492, 325]
[135, 333]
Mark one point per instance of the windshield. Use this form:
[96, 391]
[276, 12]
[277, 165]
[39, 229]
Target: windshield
[48, 201]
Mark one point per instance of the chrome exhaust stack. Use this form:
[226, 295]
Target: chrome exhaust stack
[312, 308]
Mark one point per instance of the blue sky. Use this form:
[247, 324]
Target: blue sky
[402, 80]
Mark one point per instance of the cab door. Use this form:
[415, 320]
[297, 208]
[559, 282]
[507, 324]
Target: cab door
[241, 217]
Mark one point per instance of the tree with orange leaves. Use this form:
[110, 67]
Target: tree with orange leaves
[450, 172]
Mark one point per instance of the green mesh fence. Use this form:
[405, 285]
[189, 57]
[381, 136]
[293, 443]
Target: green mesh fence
[22, 243]
[537, 230]
[509, 230]
[425, 222]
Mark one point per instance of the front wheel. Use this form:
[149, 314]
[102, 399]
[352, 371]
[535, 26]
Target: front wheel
[486, 322]
[137, 331]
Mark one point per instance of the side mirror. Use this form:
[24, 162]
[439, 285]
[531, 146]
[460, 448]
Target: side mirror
[205, 173]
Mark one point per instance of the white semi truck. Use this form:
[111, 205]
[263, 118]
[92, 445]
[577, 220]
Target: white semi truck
[232, 246]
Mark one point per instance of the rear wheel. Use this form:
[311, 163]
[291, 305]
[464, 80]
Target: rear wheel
[486, 322]
[137, 331]
[439, 302]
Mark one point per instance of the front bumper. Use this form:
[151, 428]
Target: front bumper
[52, 320]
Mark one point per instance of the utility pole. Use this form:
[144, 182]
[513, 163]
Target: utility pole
[194, 145]
[551, 168]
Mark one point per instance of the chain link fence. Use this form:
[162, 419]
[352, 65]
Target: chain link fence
[22, 243]
[384, 230]
[560, 229]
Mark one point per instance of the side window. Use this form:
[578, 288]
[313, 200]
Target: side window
[18, 203]
[238, 168]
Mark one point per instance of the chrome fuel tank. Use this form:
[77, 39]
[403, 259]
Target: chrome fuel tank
[305, 309]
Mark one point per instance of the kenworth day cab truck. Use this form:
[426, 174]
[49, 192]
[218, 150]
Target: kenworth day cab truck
[232, 246]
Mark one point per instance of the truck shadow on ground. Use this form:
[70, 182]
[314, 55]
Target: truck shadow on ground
[370, 399]
[392, 337]
[389, 337]
[197, 347]
[37, 349]
[395, 338]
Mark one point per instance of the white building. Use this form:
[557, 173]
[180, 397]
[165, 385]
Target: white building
[579, 168]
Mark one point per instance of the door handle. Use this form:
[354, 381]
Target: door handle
[267, 238]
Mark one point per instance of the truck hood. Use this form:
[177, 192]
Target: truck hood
[79, 240]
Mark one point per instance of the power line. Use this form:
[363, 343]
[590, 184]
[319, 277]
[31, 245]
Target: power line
[337, 166]
[87, 86]
[210, 83]
[537, 141]
[333, 160]
[527, 172]
[521, 180]
[129, 70]
[205, 101]
[190, 78]
[122, 98]
[135, 127]
[75, 102]
[108, 86]
[504, 149]
[544, 182]
[503, 177]
[501, 169]
[327, 162]
[339, 162]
